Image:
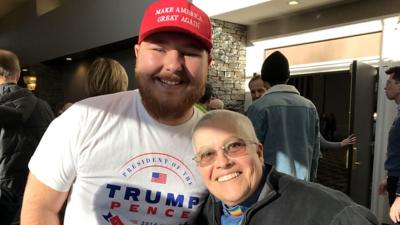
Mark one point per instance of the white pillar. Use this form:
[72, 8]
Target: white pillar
[386, 111]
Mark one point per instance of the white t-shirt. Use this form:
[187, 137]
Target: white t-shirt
[122, 166]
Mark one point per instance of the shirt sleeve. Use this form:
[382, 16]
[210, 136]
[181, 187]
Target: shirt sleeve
[55, 160]
[328, 144]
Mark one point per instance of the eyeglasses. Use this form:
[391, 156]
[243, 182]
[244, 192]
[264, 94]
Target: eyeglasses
[232, 149]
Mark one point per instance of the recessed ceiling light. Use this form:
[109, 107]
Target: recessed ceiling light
[25, 70]
[293, 3]
[68, 59]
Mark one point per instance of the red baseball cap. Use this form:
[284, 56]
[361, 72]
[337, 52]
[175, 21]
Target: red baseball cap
[177, 16]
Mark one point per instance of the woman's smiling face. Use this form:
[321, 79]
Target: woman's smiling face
[232, 180]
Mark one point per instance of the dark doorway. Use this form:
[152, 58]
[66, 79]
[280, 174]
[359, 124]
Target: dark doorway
[330, 93]
[350, 97]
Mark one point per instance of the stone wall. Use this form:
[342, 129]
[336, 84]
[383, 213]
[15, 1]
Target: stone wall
[227, 71]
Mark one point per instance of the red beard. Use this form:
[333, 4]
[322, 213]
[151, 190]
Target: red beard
[161, 109]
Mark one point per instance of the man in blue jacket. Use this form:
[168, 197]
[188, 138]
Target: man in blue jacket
[286, 123]
[23, 120]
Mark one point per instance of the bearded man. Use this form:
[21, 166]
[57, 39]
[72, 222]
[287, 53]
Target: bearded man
[126, 158]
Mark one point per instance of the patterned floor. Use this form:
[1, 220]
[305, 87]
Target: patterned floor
[332, 170]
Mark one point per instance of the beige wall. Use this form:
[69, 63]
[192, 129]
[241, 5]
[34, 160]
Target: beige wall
[343, 48]
[324, 18]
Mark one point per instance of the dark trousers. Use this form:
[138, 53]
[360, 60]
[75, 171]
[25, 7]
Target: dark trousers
[391, 188]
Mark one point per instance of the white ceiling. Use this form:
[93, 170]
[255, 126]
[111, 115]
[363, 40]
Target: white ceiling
[256, 10]
[236, 11]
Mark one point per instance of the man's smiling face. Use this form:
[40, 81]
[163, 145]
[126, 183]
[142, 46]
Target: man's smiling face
[171, 70]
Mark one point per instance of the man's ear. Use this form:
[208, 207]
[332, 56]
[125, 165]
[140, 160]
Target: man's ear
[137, 48]
[209, 58]
[267, 85]
[17, 76]
[260, 152]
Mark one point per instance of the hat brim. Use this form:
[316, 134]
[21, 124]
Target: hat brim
[206, 44]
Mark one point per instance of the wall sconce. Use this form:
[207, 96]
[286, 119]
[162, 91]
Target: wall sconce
[30, 81]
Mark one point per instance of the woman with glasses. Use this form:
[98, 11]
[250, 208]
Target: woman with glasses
[244, 190]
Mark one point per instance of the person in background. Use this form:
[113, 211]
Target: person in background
[204, 101]
[64, 107]
[286, 123]
[106, 76]
[247, 191]
[391, 184]
[125, 158]
[23, 120]
[323, 121]
[216, 104]
[331, 127]
[350, 140]
[257, 87]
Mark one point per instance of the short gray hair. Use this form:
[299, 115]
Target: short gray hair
[239, 121]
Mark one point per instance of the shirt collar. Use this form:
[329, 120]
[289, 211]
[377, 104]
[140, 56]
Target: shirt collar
[282, 88]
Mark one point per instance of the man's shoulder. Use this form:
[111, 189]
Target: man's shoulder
[126, 97]
[15, 93]
[96, 108]
[282, 99]
[200, 107]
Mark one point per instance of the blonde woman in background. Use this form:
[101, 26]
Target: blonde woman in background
[106, 76]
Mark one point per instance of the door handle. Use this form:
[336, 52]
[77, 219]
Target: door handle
[355, 158]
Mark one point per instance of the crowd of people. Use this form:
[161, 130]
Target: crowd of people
[168, 152]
